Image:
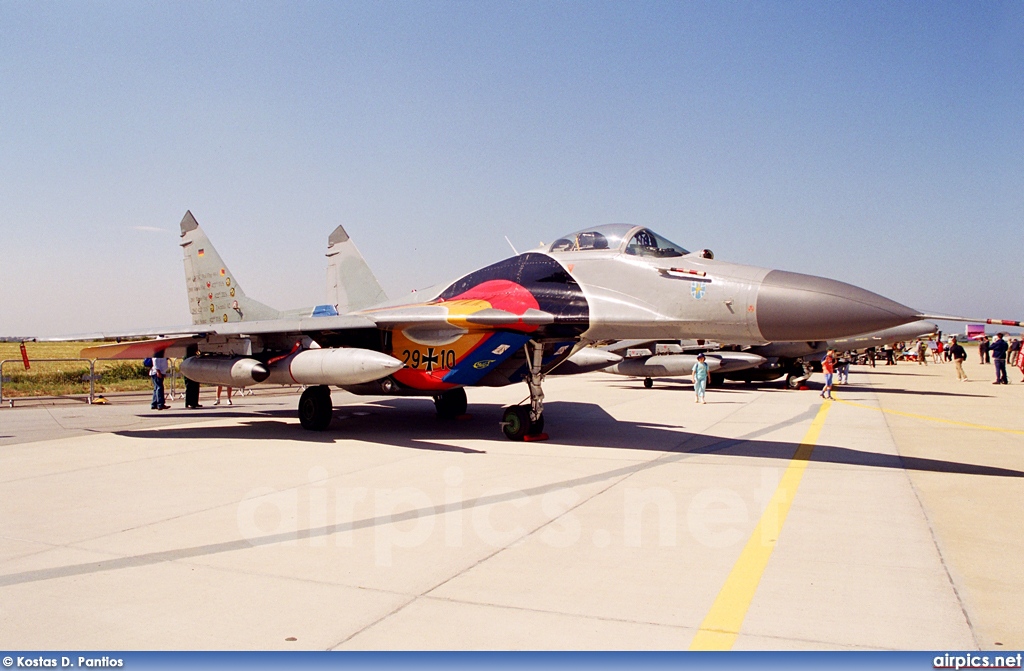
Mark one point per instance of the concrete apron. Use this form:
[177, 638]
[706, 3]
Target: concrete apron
[396, 531]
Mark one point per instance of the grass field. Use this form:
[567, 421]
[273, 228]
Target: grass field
[64, 378]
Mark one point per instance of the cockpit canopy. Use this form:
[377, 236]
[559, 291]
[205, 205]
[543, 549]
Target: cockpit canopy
[626, 238]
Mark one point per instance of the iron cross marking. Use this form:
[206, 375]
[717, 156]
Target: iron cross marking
[430, 359]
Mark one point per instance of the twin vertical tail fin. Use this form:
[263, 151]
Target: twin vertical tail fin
[351, 284]
[214, 294]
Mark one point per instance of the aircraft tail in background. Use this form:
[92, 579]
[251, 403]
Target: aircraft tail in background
[214, 294]
[351, 284]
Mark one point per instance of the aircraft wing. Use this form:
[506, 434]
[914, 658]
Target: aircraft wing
[428, 316]
[181, 336]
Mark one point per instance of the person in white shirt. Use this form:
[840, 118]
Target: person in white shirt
[157, 372]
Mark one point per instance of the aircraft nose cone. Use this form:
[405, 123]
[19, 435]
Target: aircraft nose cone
[792, 307]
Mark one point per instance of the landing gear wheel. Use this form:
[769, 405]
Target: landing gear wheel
[648, 383]
[515, 423]
[315, 408]
[451, 403]
[794, 380]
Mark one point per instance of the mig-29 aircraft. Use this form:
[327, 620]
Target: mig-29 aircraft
[515, 320]
[757, 363]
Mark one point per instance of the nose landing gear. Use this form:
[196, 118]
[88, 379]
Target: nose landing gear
[526, 422]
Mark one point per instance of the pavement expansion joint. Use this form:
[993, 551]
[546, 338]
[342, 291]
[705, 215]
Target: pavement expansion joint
[932, 534]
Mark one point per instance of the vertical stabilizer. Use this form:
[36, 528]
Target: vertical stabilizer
[350, 282]
[214, 295]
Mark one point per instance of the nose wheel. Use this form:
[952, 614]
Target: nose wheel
[517, 425]
[526, 422]
[797, 376]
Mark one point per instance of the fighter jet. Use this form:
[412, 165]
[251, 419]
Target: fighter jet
[515, 320]
[796, 360]
[757, 363]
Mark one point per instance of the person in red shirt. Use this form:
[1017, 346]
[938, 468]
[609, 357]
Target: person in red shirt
[828, 367]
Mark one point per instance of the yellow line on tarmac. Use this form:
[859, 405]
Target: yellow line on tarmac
[722, 624]
[926, 418]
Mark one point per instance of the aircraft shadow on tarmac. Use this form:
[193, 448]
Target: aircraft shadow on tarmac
[733, 387]
[412, 424]
[909, 392]
[409, 423]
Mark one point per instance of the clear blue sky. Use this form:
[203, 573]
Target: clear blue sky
[879, 143]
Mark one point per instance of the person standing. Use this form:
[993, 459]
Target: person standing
[191, 386]
[219, 388]
[869, 354]
[983, 350]
[828, 367]
[157, 372]
[700, 379]
[191, 394]
[959, 355]
[843, 368]
[922, 352]
[938, 351]
[890, 355]
[998, 351]
[1013, 352]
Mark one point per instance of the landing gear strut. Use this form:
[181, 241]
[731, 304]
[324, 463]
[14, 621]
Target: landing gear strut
[315, 408]
[521, 422]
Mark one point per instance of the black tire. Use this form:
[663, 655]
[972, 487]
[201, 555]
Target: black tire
[516, 422]
[538, 426]
[648, 383]
[315, 408]
[451, 403]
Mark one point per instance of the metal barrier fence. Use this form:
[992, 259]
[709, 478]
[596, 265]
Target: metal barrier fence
[92, 377]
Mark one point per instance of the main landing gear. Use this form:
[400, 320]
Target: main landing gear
[526, 422]
[315, 408]
[451, 404]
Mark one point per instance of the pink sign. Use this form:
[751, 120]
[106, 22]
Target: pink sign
[975, 331]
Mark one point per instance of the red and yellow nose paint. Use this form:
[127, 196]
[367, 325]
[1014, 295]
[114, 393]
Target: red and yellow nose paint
[433, 355]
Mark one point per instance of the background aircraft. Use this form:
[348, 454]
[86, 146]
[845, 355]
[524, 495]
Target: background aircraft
[756, 363]
[515, 320]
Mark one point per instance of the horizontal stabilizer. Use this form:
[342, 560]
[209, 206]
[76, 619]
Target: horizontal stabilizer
[139, 349]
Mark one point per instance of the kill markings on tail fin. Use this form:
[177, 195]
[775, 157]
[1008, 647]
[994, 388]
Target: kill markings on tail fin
[214, 295]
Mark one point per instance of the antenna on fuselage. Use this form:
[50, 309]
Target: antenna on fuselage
[512, 246]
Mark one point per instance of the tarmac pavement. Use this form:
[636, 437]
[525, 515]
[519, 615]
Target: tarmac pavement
[646, 521]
